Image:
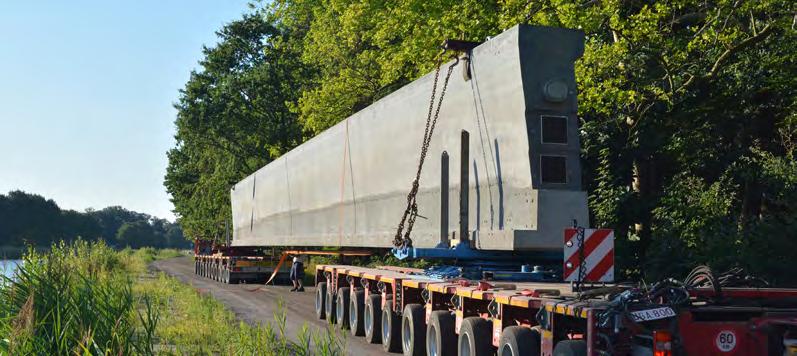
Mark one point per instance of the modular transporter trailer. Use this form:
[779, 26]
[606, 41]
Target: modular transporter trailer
[409, 312]
[237, 264]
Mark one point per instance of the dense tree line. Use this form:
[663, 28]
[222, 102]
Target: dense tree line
[688, 111]
[30, 219]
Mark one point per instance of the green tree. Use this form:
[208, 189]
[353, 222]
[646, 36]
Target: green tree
[136, 234]
[112, 218]
[29, 219]
[233, 117]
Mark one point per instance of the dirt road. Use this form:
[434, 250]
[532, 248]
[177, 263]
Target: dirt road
[260, 305]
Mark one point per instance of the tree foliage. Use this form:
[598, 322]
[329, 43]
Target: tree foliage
[688, 109]
[30, 219]
[233, 118]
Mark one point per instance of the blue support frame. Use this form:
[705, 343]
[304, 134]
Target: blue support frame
[471, 263]
[461, 251]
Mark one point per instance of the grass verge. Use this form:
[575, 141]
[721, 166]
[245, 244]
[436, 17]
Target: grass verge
[86, 298]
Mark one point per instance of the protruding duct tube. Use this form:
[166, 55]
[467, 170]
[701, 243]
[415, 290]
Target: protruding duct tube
[464, 185]
[444, 200]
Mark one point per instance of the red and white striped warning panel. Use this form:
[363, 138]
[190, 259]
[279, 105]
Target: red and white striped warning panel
[598, 252]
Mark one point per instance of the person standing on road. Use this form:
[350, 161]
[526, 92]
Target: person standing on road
[297, 274]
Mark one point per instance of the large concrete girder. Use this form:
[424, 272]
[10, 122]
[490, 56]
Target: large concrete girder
[348, 185]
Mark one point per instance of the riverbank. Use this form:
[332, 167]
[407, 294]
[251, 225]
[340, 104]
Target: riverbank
[115, 304]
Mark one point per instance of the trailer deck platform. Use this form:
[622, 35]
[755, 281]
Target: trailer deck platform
[408, 311]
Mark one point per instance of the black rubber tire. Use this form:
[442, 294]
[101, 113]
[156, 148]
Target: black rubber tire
[342, 308]
[329, 308]
[356, 306]
[519, 341]
[391, 328]
[372, 319]
[413, 330]
[570, 348]
[196, 267]
[321, 300]
[475, 334]
[441, 338]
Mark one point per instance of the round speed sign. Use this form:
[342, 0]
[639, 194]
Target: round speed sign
[726, 341]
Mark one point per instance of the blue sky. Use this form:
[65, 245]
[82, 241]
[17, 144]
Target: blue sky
[86, 93]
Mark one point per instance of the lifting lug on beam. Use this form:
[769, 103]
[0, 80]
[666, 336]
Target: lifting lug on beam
[459, 45]
[463, 47]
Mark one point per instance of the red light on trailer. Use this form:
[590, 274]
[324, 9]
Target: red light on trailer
[662, 343]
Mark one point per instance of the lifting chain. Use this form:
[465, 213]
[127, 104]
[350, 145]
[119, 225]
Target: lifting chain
[582, 263]
[411, 212]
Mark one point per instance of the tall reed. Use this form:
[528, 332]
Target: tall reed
[88, 299]
[75, 299]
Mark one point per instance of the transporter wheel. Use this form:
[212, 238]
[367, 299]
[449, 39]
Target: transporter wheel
[441, 339]
[226, 275]
[391, 328]
[475, 337]
[196, 267]
[356, 306]
[321, 300]
[342, 308]
[372, 319]
[413, 330]
[201, 269]
[519, 341]
[330, 304]
[570, 348]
